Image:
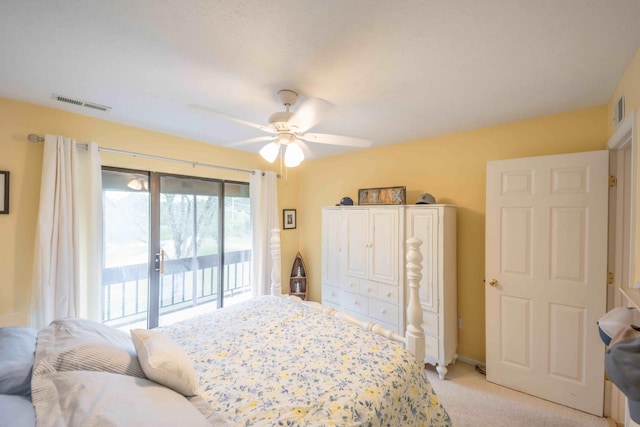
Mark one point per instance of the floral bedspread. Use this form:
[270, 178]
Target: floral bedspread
[270, 361]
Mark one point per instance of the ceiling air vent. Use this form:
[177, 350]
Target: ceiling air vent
[79, 102]
[618, 112]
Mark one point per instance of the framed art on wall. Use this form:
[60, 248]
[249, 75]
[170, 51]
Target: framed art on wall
[4, 192]
[288, 219]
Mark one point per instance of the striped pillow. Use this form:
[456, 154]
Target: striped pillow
[96, 357]
[84, 345]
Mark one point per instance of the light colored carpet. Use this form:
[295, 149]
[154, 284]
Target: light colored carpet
[473, 401]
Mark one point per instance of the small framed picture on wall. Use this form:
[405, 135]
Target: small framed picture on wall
[4, 192]
[288, 219]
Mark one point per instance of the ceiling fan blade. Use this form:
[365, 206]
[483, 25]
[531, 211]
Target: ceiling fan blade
[305, 148]
[310, 113]
[326, 138]
[250, 141]
[232, 118]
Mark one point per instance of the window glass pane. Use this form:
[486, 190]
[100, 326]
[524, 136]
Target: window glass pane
[125, 277]
[237, 243]
[189, 224]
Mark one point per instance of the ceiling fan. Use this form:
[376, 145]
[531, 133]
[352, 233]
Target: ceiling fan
[289, 129]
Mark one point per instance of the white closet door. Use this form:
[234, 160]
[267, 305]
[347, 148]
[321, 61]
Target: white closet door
[546, 259]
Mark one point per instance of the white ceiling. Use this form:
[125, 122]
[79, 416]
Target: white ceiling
[396, 71]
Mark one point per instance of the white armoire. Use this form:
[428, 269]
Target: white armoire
[363, 269]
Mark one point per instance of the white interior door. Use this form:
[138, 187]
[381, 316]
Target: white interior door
[546, 277]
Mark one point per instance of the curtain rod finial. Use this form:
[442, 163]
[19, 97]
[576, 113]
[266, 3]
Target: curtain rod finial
[35, 138]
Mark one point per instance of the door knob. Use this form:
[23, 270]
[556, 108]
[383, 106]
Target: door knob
[493, 283]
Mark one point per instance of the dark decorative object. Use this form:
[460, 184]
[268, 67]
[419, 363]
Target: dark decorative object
[298, 280]
[345, 201]
[4, 192]
[382, 196]
[288, 219]
[426, 199]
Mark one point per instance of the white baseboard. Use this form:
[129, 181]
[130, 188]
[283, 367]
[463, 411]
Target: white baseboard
[470, 361]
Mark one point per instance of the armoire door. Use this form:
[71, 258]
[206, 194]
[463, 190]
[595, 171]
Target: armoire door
[423, 224]
[331, 246]
[383, 245]
[355, 229]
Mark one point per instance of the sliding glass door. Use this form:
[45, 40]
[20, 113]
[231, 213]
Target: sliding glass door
[190, 231]
[126, 220]
[187, 220]
[236, 219]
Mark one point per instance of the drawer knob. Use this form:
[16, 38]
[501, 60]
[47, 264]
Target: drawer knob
[388, 294]
[383, 311]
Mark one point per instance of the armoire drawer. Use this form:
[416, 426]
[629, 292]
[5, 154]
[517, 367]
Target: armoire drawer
[369, 288]
[331, 294]
[388, 293]
[355, 303]
[383, 312]
[351, 284]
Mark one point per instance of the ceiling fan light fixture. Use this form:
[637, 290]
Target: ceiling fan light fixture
[293, 156]
[286, 127]
[270, 151]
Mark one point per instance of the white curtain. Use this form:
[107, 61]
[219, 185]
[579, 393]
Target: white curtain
[68, 248]
[264, 217]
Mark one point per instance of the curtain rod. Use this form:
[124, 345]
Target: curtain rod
[37, 138]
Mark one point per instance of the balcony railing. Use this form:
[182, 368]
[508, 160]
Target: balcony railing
[186, 283]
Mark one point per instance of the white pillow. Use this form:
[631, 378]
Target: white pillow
[102, 399]
[164, 362]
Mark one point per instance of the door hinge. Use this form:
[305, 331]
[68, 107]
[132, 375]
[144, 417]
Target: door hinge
[613, 181]
[610, 278]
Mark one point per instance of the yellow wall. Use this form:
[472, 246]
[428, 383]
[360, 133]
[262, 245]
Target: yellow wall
[452, 168]
[23, 160]
[629, 85]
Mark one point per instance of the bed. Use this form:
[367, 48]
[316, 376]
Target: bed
[273, 360]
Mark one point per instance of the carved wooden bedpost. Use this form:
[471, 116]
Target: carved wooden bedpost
[415, 340]
[276, 287]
